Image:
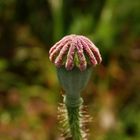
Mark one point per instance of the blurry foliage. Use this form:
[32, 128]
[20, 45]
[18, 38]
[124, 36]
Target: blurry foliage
[29, 90]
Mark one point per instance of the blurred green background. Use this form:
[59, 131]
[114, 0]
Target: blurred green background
[29, 89]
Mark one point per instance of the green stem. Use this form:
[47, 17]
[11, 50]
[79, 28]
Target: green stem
[74, 122]
[73, 111]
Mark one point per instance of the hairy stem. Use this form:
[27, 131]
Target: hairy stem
[73, 119]
[74, 122]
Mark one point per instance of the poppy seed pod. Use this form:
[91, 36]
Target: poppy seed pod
[73, 56]
[73, 83]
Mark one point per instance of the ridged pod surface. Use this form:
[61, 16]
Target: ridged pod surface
[74, 50]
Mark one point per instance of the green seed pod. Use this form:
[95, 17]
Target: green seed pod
[73, 82]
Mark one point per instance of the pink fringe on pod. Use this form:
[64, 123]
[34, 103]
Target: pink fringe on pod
[65, 51]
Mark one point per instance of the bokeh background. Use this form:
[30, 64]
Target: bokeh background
[29, 89]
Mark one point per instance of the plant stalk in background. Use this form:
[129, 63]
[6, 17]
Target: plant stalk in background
[74, 56]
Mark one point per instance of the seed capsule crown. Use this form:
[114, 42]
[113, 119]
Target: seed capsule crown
[74, 50]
